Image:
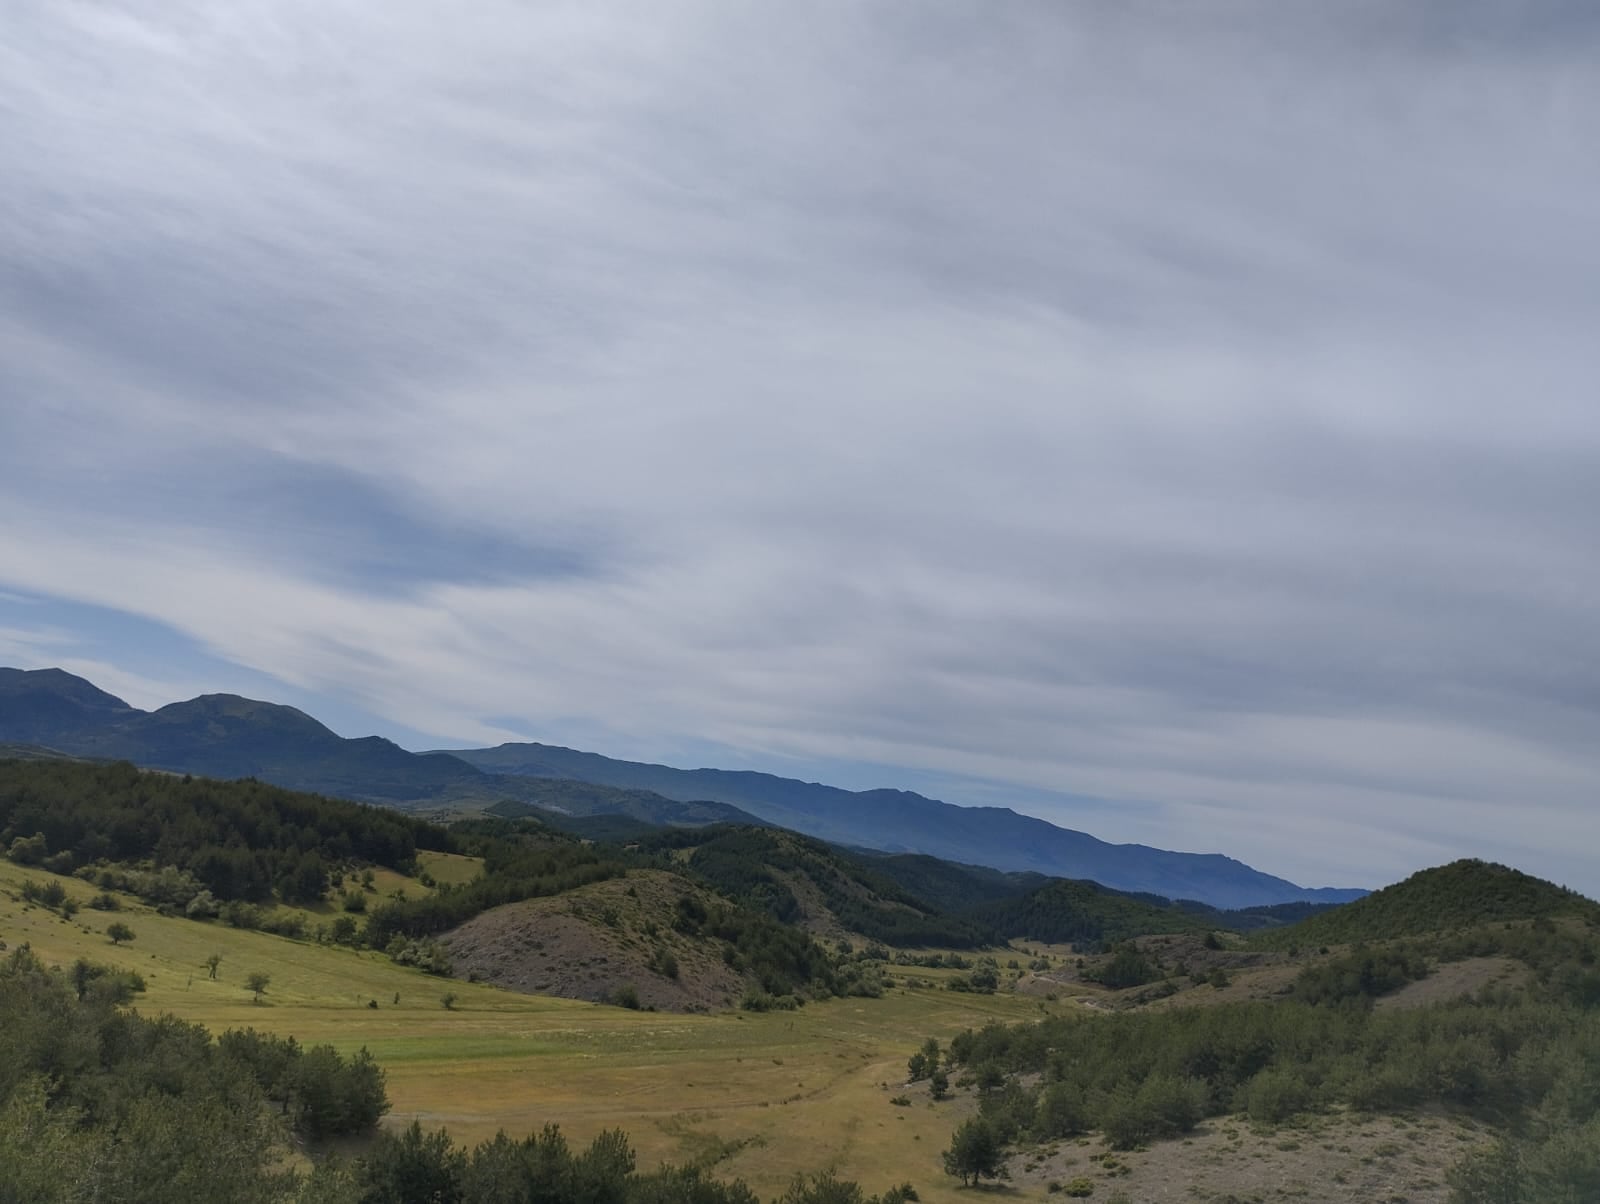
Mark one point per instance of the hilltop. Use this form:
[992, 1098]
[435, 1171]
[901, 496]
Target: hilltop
[612, 942]
[1462, 895]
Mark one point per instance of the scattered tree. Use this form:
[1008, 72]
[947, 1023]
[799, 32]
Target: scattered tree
[119, 932]
[257, 983]
[974, 1152]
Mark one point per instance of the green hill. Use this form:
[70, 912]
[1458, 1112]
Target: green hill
[1084, 913]
[1463, 894]
[950, 885]
[806, 882]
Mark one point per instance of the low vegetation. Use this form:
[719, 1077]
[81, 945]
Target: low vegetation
[1525, 1060]
[99, 1103]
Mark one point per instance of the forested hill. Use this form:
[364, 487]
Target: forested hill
[808, 883]
[1463, 894]
[1082, 912]
[239, 840]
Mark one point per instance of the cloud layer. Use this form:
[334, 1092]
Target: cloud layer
[1179, 423]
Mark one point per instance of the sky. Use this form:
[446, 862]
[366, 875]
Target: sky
[1176, 421]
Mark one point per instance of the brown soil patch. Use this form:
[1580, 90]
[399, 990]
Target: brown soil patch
[592, 942]
[1452, 980]
[1331, 1160]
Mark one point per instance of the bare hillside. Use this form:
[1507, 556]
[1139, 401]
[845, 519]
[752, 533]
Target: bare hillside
[596, 943]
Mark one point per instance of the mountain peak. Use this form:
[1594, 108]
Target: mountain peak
[59, 683]
[39, 706]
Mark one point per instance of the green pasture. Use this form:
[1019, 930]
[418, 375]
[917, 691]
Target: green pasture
[762, 1095]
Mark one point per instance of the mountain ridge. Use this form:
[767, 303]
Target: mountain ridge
[901, 821]
[228, 736]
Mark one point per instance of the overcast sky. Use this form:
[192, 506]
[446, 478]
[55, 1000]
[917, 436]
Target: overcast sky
[1176, 420]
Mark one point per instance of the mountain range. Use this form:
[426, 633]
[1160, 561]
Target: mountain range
[226, 736]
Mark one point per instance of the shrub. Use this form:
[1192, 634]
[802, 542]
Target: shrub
[665, 964]
[239, 914]
[1275, 1095]
[1062, 1112]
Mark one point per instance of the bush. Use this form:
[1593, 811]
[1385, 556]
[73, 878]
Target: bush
[427, 955]
[1062, 1112]
[1275, 1095]
[757, 1000]
[345, 931]
[1162, 1106]
[238, 914]
[1127, 967]
[29, 850]
[665, 964]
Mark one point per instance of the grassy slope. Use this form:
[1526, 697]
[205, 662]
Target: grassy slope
[1463, 894]
[804, 1090]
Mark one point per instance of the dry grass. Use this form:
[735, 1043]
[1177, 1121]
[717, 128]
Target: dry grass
[766, 1095]
[1331, 1160]
[1452, 980]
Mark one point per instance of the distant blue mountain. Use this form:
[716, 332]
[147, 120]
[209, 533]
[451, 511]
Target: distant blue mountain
[899, 821]
[224, 735]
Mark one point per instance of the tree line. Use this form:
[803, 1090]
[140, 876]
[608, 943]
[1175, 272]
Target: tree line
[240, 840]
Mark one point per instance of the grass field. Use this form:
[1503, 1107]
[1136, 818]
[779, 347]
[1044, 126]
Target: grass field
[764, 1095]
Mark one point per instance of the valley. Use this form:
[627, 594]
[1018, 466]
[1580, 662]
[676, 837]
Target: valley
[756, 1005]
[759, 1096]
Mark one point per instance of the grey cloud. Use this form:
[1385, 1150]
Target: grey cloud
[1180, 417]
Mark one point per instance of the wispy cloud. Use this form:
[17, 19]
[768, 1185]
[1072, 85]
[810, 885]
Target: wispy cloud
[1185, 409]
